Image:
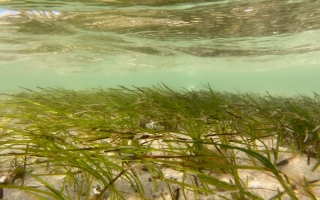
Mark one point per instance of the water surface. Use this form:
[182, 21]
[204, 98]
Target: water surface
[242, 46]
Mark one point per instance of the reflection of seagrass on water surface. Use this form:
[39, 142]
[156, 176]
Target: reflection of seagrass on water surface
[134, 29]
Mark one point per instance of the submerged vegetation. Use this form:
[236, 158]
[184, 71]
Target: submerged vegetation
[104, 142]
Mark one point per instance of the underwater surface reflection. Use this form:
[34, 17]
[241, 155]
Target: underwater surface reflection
[69, 40]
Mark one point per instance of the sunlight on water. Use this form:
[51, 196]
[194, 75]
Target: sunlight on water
[233, 45]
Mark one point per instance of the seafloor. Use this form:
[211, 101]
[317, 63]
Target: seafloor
[156, 143]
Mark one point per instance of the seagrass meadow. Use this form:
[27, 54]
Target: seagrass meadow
[158, 143]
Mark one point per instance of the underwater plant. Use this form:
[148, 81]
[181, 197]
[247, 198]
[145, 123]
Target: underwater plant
[157, 143]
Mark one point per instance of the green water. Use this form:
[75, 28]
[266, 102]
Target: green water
[247, 46]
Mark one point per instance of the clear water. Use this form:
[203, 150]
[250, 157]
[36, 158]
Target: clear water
[234, 45]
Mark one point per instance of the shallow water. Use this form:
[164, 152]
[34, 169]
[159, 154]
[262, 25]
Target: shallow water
[247, 46]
